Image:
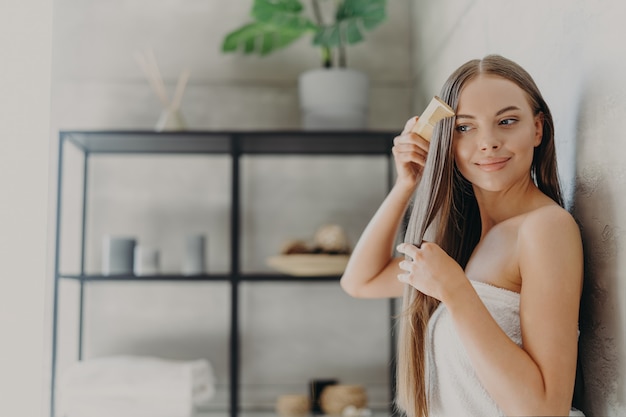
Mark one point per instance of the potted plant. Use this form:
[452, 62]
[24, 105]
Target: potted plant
[333, 96]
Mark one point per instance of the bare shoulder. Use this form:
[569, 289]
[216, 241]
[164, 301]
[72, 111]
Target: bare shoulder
[550, 247]
[549, 222]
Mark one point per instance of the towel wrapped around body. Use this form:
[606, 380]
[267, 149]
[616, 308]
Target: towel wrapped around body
[453, 386]
[137, 386]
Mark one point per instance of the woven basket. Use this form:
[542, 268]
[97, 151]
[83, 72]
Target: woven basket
[335, 398]
[293, 405]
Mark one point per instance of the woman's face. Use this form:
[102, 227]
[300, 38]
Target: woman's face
[495, 133]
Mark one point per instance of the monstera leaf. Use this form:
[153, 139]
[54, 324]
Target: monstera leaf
[278, 23]
[353, 17]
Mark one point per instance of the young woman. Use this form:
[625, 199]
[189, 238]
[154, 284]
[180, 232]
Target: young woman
[489, 325]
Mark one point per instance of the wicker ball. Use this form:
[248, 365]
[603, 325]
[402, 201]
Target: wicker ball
[335, 398]
[332, 238]
[293, 405]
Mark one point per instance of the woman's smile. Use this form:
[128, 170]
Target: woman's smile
[493, 164]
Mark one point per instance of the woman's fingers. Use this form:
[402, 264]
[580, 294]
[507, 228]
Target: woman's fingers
[410, 152]
[409, 125]
[410, 143]
[418, 157]
[408, 268]
[409, 147]
[406, 265]
[408, 129]
[404, 278]
[412, 266]
[413, 139]
[408, 249]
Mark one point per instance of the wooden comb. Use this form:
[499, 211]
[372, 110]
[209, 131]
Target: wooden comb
[436, 110]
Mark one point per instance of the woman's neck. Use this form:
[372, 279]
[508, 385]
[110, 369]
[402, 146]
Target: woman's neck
[498, 206]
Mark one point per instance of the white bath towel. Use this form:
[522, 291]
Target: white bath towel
[453, 387]
[134, 386]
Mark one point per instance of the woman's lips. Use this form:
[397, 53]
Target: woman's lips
[492, 164]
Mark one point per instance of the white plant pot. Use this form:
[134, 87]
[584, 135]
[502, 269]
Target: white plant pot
[334, 99]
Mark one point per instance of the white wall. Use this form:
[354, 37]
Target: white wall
[574, 50]
[98, 85]
[25, 28]
[97, 82]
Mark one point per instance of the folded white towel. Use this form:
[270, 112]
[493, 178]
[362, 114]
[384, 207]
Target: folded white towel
[134, 386]
[123, 408]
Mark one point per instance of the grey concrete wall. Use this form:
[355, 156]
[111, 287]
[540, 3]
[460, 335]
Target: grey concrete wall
[574, 51]
[290, 332]
[599, 205]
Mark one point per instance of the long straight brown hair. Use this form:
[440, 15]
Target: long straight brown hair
[445, 205]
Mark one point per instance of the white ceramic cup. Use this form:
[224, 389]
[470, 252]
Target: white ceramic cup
[194, 262]
[146, 261]
[118, 255]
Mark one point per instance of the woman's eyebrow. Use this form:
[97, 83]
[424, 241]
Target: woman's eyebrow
[506, 109]
[498, 113]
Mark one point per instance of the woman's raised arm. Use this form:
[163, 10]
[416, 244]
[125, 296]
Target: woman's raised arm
[372, 271]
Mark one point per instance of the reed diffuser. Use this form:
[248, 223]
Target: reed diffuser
[171, 117]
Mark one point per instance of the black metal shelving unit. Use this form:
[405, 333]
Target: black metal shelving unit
[232, 143]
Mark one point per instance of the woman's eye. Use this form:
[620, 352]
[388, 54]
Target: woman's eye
[462, 128]
[507, 122]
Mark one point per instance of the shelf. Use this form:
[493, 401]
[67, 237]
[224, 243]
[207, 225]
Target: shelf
[206, 277]
[288, 278]
[148, 142]
[233, 145]
[353, 143]
[160, 277]
[269, 410]
[279, 142]
[272, 413]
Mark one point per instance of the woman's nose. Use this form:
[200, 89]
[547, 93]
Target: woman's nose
[489, 145]
[489, 142]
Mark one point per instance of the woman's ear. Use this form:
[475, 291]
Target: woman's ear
[538, 128]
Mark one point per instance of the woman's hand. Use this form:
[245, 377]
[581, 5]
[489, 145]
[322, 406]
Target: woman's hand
[409, 152]
[431, 270]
